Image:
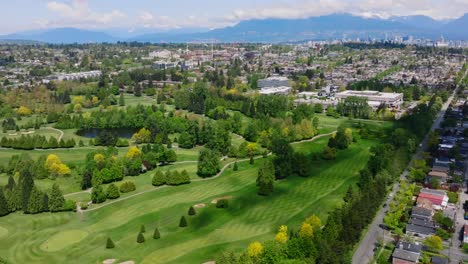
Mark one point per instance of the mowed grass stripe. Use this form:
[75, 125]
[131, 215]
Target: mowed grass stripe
[249, 217]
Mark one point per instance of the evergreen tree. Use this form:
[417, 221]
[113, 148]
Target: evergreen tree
[4, 208]
[13, 198]
[156, 234]
[35, 203]
[208, 163]
[184, 177]
[236, 167]
[11, 183]
[112, 192]
[191, 211]
[183, 222]
[140, 238]
[45, 202]
[56, 200]
[110, 243]
[158, 179]
[266, 178]
[27, 185]
[87, 180]
[142, 229]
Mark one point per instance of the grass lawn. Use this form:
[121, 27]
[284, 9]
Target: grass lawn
[80, 238]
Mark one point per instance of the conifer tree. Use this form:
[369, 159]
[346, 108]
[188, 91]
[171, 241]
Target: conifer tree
[56, 200]
[142, 229]
[192, 211]
[183, 222]
[159, 179]
[110, 243]
[140, 238]
[156, 234]
[45, 202]
[35, 203]
[4, 209]
[11, 183]
[236, 167]
[266, 178]
[27, 184]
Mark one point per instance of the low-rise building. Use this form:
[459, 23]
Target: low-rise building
[375, 98]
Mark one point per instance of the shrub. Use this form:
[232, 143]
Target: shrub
[84, 206]
[192, 211]
[453, 197]
[98, 195]
[329, 153]
[442, 233]
[69, 205]
[140, 238]
[156, 234]
[127, 187]
[222, 203]
[158, 179]
[183, 222]
[112, 192]
[110, 243]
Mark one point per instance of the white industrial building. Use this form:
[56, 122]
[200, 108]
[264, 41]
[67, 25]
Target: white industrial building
[274, 85]
[375, 98]
[275, 81]
[283, 90]
[73, 76]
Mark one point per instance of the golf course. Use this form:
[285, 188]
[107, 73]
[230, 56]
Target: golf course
[80, 237]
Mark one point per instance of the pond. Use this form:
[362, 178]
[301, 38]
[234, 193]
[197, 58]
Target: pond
[94, 132]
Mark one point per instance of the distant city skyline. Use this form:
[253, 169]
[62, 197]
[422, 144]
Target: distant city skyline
[158, 15]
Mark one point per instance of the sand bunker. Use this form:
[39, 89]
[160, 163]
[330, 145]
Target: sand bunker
[199, 205]
[221, 198]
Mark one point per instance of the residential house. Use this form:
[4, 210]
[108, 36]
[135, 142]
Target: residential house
[406, 253]
[438, 198]
[439, 260]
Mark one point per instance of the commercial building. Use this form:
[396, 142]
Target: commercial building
[375, 98]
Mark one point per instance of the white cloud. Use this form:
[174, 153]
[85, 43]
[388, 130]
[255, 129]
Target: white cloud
[78, 13]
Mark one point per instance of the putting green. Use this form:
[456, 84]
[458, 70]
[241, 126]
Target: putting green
[3, 232]
[63, 239]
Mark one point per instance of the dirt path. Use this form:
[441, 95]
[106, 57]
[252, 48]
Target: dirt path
[201, 179]
[56, 130]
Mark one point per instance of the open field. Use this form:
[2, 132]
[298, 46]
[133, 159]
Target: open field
[80, 238]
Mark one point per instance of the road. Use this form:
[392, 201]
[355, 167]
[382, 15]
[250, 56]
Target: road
[364, 252]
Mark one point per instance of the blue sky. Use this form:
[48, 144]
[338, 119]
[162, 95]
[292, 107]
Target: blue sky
[19, 15]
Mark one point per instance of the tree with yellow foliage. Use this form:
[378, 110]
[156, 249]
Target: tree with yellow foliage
[55, 166]
[78, 100]
[282, 235]
[306, 231]
[314, 221]
[133, 152]
[24, 111]
[142, 136]
[255, 249]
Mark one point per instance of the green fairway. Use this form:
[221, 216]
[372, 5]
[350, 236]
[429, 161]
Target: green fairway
[81, 237]
[63, 239]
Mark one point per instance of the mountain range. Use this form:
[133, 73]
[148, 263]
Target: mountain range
[273, 30]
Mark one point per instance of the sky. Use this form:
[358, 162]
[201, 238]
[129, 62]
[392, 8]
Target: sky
[160, 15]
